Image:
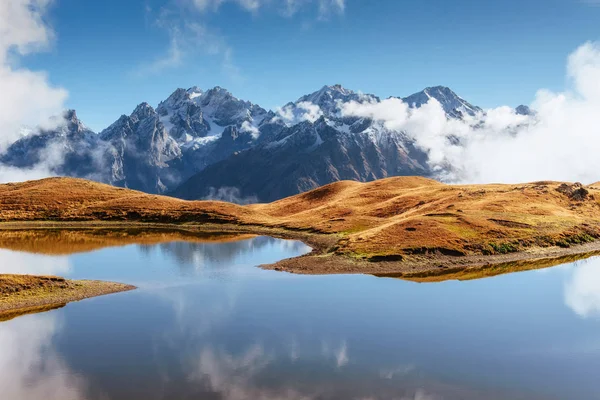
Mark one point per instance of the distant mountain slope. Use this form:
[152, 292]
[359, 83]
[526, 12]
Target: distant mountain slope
[149, 150]
[309, 155]
[305, 155]
[198, 144]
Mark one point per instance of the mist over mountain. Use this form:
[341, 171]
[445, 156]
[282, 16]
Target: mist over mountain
[209, 144]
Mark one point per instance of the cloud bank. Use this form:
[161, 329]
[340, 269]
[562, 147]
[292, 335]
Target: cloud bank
[26, 97]
[559, 142]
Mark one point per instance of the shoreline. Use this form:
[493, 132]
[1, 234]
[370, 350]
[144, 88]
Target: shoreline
[323, 259]
[27, 294]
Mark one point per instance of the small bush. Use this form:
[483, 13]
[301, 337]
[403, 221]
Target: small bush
[504, 248]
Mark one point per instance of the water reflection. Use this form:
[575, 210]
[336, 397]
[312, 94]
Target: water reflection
[193, 257]
[582, 288]
[30, 367]
[14, 262]
[207, 324]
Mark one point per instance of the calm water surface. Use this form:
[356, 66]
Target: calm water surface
[206, 324]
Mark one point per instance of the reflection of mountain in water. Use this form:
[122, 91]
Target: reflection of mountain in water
[192, 256]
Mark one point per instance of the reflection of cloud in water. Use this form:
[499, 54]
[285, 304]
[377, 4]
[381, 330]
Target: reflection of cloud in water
[250, 375]
[338, 352]
[582, 289]
[29, 366]
[399, 371]
[232, 377]
[14, 262]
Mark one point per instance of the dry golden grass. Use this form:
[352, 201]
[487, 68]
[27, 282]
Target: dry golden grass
[23, 294]
[389, 218]
[405, 216]
[10, 284]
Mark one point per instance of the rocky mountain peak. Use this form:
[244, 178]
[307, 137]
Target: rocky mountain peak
[329, 97]
[524, 110]
[142, 111]
[73, 123]
[452, 103]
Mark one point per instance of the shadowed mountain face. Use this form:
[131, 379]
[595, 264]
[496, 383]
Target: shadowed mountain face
[149, 150]
[198, 144]
[306, 156]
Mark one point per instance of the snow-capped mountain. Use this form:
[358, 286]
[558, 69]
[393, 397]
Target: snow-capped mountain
[308, 143]
[453, 104]
[194, 117]
[305, 156]
[196, 142]
[69, 149]
[150, 150]
[139, 151]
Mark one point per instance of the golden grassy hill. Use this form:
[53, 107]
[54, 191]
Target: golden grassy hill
[390, 219]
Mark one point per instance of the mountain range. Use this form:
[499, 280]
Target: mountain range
[209, 144]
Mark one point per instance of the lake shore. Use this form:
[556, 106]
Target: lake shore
[322, 260]
[25, 294]
[409, 227]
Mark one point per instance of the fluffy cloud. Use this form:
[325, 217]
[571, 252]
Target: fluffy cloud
[303, 111]
[248, 127]
[26, 97]
[560, 142]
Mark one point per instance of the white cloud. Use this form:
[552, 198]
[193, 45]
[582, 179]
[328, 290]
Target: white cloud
[560, 142]
[22, 26]
[248, 127]
[328, 7]
[188, 36]
[303, 111]
[13, 174]
[190, 33]
[26, 97]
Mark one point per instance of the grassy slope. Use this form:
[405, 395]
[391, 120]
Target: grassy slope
[391, 218]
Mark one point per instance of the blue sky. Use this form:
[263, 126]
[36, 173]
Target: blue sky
[114, 54]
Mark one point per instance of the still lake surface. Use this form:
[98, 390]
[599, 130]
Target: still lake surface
[206, 324]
